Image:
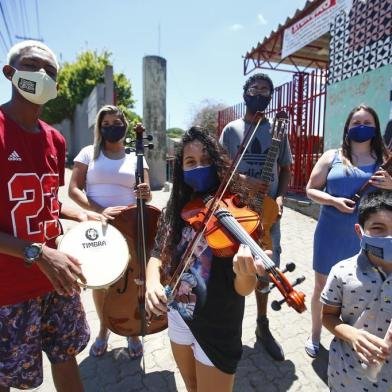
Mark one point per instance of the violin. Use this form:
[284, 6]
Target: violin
[218, 239]
[233, 224]
[124, 307]
[226, 224]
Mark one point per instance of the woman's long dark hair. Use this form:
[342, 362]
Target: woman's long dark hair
[171, 224]
[377, 146]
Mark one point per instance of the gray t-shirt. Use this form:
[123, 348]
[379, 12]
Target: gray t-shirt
[254, 158]
[364, 295]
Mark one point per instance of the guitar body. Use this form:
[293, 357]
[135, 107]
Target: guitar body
[269, 215]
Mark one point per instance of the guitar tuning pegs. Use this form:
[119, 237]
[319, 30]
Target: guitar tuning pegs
[150, 146]
[128, 150]
[149, 137]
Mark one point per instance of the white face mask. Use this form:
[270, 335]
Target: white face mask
[36, 87]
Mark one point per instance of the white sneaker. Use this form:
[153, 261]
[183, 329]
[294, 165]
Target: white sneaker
[312, 348]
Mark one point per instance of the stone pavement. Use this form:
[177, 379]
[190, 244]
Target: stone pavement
[115, 371]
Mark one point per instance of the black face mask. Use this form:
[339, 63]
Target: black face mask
[113, 133]
[257, 103]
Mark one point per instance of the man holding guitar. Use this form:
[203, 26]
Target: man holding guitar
[265, 169]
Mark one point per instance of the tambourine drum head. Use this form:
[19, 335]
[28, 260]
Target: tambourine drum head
[101, 249]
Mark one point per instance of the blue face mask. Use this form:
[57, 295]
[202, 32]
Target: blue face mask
[361, 133]
[378, 246]
[201, 179]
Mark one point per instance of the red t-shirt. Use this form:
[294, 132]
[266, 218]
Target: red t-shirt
[31, 171]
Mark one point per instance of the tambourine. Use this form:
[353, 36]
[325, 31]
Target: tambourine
[101, 249]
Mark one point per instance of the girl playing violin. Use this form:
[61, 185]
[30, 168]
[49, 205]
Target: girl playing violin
[206, 308]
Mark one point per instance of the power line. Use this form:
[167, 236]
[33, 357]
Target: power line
[26, 18]
[22, 18]
[16, 17]
[24, 37]
[8, 16]
[37, 15]
[6, 23]
[4, 43]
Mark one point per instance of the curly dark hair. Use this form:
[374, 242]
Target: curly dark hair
[378, 149]
[258, 76]
[171, 224]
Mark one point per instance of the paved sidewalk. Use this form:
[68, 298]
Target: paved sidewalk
[115, 371]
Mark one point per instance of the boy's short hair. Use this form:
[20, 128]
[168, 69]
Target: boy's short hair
[373, 202]
[18, 48]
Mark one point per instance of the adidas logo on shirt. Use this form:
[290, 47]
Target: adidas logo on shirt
[14, 156]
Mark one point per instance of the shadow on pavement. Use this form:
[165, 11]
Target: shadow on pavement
[320, 364]
[115, 371]
[257, 371]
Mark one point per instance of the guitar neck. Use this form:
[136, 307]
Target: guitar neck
[266, 174]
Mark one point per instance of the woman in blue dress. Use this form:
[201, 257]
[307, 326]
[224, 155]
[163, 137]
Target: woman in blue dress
[335, 179]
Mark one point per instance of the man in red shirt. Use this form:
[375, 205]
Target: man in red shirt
[40, 308]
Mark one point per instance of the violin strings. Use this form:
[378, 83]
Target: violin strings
[143, 238]
[228, 220]
[142, 245]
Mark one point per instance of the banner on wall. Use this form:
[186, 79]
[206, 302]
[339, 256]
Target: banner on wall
[312, 26]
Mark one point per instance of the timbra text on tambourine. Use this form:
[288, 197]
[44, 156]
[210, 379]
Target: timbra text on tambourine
[94, 244]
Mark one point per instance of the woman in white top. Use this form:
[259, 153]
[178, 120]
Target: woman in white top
[103, 180]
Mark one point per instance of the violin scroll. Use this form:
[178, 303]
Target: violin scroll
[294, 299]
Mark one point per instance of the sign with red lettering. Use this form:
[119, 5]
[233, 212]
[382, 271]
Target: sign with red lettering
[312, 26]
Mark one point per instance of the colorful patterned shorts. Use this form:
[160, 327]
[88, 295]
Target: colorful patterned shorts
[51, 323]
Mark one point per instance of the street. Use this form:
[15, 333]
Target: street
[115, 371]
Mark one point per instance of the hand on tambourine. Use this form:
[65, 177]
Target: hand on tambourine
[111, 212]
[156, 299]
[244, 264]
[61, 269]
[87, 215]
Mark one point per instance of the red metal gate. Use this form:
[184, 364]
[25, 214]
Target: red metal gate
[304, 100]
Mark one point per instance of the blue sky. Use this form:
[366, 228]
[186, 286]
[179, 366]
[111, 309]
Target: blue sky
[202, 41]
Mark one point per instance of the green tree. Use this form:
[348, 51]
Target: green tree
[174, 132]
[76, 81]
[206, 115]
